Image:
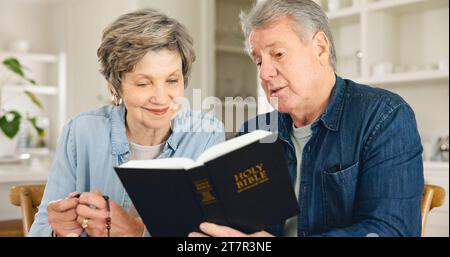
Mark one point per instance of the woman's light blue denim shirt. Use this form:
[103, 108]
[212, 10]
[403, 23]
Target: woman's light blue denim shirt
[94, 142]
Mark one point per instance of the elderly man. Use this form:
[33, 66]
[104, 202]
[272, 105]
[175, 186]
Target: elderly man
[354, 152]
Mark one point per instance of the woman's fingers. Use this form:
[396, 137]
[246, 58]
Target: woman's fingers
[90, 213]
[93, 199]
[70, 215]
[62, 205]
[93, 227]
[74, 195]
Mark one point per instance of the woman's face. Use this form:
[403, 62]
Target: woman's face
[149, 90]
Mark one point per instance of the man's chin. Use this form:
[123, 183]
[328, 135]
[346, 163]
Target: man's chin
[281, 107]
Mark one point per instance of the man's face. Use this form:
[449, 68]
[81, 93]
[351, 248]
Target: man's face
[288, 68]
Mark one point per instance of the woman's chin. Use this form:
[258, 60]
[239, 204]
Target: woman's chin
[157, 124]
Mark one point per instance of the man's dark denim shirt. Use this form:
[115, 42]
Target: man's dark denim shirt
[361, 171]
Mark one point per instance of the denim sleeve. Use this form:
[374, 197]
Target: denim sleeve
[61, 181]
[391, 179]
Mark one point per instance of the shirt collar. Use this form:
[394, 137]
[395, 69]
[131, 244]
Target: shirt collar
[177, 128]
[331, 118]
[119, 140]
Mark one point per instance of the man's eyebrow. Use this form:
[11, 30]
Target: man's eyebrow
[267, 46]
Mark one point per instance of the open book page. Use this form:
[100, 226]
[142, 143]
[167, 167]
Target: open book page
[210, 154]
[231, 145]
[169, 163]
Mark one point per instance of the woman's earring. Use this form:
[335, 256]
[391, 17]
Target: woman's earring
[116, 100]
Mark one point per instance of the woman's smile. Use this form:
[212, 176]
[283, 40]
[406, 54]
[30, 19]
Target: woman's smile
[157, 111]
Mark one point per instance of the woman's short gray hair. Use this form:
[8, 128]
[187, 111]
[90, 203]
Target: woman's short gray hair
[308, 16]
[132, 35]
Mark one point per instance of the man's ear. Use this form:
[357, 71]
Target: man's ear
[322, 47]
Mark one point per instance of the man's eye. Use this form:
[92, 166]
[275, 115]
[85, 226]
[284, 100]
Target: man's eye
[142, 84]
[279, 55]
[173, 81]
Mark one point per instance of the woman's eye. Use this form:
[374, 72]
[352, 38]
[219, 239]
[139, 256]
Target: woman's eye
[279, 55]
[142, 84]
[172, 81]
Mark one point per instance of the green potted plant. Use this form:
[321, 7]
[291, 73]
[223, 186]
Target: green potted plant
[11, 119]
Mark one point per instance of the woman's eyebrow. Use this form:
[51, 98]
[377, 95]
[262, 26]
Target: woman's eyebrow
[144, 75]
[139, 75]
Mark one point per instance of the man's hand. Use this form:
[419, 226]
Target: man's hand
[62, 216]
[210, 229]
[93, 208]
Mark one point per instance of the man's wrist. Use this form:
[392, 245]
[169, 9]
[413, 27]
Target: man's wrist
[140, 231]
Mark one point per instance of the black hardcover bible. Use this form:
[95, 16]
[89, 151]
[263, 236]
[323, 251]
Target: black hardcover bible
[242, 183]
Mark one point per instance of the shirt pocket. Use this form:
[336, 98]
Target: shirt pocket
[339, 190]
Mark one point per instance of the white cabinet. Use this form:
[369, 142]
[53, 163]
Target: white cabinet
[399, 41]
[399, 45]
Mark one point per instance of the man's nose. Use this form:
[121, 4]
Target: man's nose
[267, 70]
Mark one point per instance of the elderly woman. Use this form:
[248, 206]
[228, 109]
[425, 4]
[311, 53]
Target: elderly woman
[146, 57]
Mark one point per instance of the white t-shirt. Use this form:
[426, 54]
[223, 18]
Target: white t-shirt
[144, 152]
[299, 137]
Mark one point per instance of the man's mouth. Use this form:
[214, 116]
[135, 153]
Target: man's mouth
[275, 92]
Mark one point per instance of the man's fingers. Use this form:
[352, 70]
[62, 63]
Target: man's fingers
[219, 231]
[261, 234]
[196, 234]
[93, 198]
[63, 205]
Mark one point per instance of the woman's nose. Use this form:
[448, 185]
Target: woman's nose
[159, 95]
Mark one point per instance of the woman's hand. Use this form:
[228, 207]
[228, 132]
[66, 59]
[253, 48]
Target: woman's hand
[62, 216]
[93, 208]
[210, 229]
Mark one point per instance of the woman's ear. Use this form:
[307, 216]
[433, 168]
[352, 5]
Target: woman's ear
[322, 47]
[116, 98]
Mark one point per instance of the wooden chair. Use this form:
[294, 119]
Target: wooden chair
[11, 228]
[28, 197]
[433, 196]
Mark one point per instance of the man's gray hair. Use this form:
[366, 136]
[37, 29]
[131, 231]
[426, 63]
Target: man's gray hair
[308, 16]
